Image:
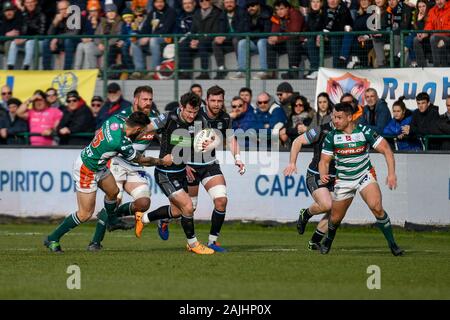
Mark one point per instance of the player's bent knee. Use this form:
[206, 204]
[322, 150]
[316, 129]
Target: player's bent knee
[188, 210]
[219, 191]
[221, 203]
[141, 204]
[84, 216]
[141, 191]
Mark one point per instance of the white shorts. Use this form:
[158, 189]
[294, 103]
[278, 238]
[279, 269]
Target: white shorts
[85, 179]
[345, 189]
[123, 173]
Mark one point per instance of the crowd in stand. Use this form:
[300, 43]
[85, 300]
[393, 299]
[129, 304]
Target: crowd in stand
[284, 114]
[190, 17]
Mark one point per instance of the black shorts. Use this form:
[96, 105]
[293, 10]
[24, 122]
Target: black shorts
[202, 172]
[313, 182]
[171, 182]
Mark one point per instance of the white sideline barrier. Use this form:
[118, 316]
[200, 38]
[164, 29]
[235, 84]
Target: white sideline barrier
[37, 182]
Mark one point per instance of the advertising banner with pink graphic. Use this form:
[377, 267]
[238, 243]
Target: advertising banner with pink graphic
[389, 83]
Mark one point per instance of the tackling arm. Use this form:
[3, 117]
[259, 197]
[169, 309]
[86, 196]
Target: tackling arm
[150, 161]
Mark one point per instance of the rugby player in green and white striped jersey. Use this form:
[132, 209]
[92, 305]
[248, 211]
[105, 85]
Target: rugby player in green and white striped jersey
[349, 145]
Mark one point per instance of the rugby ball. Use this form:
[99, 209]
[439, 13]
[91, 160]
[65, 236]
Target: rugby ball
[206, 135]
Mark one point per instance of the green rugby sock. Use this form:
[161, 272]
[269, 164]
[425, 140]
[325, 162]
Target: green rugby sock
[100, 227]
[385, 226]
[110, 206]
[124, 210]
[68, 224]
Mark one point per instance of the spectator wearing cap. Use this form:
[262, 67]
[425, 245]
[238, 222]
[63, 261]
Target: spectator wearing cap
[87, 53]
[110, 25]
[119, 4]
[114, 103]
[285, 19]
[60, 26]
[77, 118]
[33, 24]
[11, 24]
[53, 99]
[11, 124]
[284, 94]
[96, 105]
[376, 114]
[42, 119]
[258, 21]
[160, 20]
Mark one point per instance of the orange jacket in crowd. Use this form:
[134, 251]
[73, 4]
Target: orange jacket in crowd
[294, 23]
[439, 19]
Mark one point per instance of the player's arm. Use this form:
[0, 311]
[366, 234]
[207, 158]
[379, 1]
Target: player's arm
[236, 152]
[324, 166]
[150, 161]
[384, 148]
[295, 149]
[22, 111]
[156, 124]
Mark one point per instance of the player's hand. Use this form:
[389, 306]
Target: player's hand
[391, 181]
[290, 169]
[167, 160]
[190, 173]
[325, 178]
[241, 166]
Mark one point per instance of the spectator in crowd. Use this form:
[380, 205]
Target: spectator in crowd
[114, 103]
[139, 46]
[361, 47]
[232, 20]
[438, 19]
[77, 118]
[184, 20]
[315, 22]
[424, 118]
[258, 21]
[119, 4]
[87, 53]
[324, 110]
[198, 90]
[53, 99]
[396, 20]
[299, 120]
[243, 115]
[237, 106]
[338, 18]
[285, 93]
[10, 26]
[33, 24]
[11, 124]
[6, 95]
[110, 25]
[270, 117]
[160, 20]
[205, 20]
[358, 109]
[138, 4]
[286, 19]
[402, 116]
[96, 106]
[443, 126]
[376, 114]
[127, 29]
[246, 95]
[42, 119]
[379, 40]
[417, 23]
[60, 26]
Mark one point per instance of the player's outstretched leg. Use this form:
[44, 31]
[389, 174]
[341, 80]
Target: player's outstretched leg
[162, 213]
[52, 240]
[316, 239]
[303, 219]
[187, 222]
[328, 241]
[217, 219]
[384, 224]
[115, 222]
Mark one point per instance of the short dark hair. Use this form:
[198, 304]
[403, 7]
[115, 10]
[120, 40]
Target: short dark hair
[285, 3]
[246, 89]
[196, 85]
[236, 98]
[41, 93]
[138, 119]
[345, 107]
[51, 88]
[191, 99]
[423, 96]
[13, 101]
[215, 91]
[140, 89]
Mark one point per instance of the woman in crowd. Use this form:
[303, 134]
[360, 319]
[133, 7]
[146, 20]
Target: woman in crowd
[324, 109]
[299, 119]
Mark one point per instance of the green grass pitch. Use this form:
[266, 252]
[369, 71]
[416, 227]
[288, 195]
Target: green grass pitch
[262, 263]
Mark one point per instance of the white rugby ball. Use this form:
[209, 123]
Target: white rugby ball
[206, 135]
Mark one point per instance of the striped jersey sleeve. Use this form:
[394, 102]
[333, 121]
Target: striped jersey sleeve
[328, 144]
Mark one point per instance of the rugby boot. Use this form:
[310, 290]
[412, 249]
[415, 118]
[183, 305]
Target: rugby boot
[139, 225]
[396, 250]
[118, 224]
[199, 248]
[94, 247]
[326, 246]
[302, 221]
[53, 246]
[314, 246]
[216, 247]
[163, 229]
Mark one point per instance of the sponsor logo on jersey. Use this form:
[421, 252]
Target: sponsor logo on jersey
[114, 126]
[348, 151]
[348, 138]
[147, 137]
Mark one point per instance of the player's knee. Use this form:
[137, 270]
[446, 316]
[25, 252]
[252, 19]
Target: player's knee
[219, 191]
[141, 204]
[188, 210]
[221, 203]
[194, 203]
[84, 215]
[325, 206]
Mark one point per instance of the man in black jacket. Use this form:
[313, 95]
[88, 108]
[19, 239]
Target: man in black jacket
[33, 24]
[205, 20]
[11, 124]
[77, 118]
[113, 104]
[10, 25]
